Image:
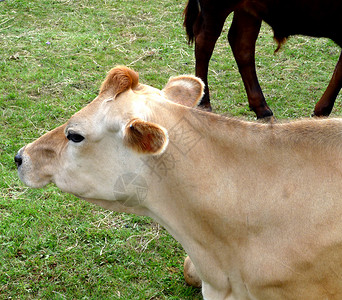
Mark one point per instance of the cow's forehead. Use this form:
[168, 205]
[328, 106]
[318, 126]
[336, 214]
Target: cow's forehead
[129, 104]
[146, 89]
[86, 114]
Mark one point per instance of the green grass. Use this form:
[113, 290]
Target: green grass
[53, 58]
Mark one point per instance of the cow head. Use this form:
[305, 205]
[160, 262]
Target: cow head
[107, 138]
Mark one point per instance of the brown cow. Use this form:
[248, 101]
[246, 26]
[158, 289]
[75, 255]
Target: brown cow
[204, 20]
[266, 223]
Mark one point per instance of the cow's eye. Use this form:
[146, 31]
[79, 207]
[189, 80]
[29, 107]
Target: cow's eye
[75, 137]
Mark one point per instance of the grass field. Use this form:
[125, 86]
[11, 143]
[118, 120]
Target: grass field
[53, 58]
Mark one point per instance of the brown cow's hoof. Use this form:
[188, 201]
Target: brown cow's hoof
[314, 115]
[322, 111]
[205, 106]
[190, 274]
[268, 120]
[263, 112]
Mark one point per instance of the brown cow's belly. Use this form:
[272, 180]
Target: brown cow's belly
[289, 18]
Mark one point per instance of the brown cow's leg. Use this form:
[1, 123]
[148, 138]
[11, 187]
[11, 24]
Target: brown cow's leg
[242, 37]
[325, 105]
[207, 30]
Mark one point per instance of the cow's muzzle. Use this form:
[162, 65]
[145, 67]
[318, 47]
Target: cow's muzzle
[18, 160]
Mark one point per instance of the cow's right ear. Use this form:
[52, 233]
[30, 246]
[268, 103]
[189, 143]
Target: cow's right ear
[118, 80]
[187, 90]
[145, 137]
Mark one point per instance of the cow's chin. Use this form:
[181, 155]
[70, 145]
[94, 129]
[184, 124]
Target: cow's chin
[32, 183]
[72, 187]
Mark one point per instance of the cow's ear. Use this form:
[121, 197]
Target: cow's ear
[145, 137]
[186, 90]
[118, 80]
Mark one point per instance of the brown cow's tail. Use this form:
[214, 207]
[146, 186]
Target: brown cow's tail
[191, 13]
[280, 41]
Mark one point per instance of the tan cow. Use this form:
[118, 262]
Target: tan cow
[257, 207]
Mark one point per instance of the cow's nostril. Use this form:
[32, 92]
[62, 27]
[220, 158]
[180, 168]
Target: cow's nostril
[18, 160]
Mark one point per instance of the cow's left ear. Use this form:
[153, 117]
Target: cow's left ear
[186, 90]
[145, 137]
[118, 80]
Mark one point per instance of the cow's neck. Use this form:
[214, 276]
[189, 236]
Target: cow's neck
[189, 179]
